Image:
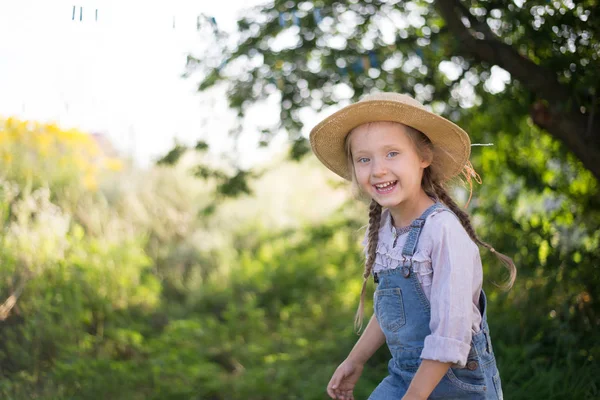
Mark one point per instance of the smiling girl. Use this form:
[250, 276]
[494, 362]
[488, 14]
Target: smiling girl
[421, 249]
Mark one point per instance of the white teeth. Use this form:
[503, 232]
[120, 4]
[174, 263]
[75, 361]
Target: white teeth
[383, 185]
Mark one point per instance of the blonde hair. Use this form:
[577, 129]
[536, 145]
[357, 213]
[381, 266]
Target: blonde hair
[434, 187]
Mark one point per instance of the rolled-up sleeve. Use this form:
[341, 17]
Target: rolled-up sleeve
[455, 261]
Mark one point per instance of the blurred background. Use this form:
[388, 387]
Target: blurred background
[167, 234]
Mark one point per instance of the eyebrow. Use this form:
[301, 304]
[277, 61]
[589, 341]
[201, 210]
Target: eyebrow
[392, 146]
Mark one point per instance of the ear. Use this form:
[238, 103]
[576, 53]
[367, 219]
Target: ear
[427, 158]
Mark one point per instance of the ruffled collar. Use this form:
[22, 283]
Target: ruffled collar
[387, 236]
[388, 228]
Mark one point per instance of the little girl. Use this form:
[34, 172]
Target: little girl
[421, 249]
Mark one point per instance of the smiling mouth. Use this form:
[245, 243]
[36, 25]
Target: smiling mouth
[385, 187]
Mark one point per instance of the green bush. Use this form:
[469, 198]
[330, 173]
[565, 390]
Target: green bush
[129, 292]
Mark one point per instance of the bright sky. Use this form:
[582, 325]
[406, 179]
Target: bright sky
[119, 75]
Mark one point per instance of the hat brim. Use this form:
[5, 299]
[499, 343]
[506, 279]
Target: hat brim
[452, 146]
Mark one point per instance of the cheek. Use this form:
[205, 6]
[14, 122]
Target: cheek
[362, 176]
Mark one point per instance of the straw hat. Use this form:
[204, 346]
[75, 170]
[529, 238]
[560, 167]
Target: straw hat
[452, 145]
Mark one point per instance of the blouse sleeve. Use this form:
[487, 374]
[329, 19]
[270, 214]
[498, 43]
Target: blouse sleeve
[454, 259]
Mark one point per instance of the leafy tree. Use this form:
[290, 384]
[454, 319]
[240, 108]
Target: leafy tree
[444, 52]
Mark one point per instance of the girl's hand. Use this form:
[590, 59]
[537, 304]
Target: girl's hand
[344, 379]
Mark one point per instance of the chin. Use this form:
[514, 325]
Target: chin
[391, 204]
[388, 201]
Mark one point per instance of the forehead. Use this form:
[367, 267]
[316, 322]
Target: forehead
[376, 134]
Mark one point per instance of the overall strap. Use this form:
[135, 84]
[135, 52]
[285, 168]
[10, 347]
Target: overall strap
[415, 230]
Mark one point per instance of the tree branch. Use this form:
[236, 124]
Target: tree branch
[475, 23]
[11, 301]
[561, 117]
[572, 130]
[531, 75]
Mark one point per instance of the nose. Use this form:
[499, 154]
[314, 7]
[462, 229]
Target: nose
[378, 169]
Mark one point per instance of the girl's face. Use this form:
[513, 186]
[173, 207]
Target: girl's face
[386, 163]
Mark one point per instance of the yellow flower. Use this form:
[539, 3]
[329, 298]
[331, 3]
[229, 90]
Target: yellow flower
[89, 181]
[7, 157]
[113, 164]
[53, 154]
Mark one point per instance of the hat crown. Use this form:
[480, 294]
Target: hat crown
[395, 97]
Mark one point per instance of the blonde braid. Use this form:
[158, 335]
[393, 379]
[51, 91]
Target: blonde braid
[373, 238]
[465, 220]
[427, 182]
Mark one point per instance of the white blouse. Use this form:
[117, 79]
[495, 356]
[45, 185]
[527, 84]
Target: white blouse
[448, 267]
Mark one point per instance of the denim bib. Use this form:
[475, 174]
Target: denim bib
[403, 313]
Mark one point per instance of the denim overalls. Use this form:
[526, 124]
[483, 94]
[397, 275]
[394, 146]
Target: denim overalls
[403, 312]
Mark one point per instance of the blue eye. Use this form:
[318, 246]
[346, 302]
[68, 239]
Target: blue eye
[392, 154]
[363, 160]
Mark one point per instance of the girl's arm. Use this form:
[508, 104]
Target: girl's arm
[426, 379]
[344, 378]
[368, 343]
[455, 287]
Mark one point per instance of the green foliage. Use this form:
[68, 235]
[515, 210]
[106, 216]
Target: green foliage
[173, 155]
[273, 322]
[129, 292]
[314, 54]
